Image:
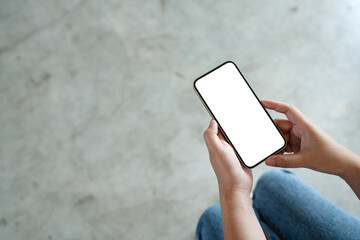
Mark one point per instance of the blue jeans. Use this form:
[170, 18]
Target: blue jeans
[288, 208]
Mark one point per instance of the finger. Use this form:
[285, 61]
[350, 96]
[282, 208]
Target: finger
[284, 125]
[221, 136]
[291, 112]
[211, 136]
[288, 148]
[285, 161]
[295, 142]
[286, 136]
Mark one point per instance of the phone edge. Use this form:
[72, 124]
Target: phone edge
[222, 131]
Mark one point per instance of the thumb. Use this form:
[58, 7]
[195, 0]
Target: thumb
[285, 160]
[210, 135]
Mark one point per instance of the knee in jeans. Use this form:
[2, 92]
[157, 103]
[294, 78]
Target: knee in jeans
[212, 212]
[275, 175]
[271, 179]
[210, 223]
[211, 217]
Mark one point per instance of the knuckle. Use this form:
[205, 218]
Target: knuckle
[291, 107]
[283, 162]
[206, 133]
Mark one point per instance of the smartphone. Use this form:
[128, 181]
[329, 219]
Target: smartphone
[244, 122]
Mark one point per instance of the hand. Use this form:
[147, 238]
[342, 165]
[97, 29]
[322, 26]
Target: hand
[231, 175]
[235, 183]
[311, 146]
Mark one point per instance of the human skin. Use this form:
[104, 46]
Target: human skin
[309, 146]
[235, 184]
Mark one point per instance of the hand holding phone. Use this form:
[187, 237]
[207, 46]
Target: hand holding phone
[243, 121]
[232, 176]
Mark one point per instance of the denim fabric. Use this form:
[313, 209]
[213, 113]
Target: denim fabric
[210, 224]
[288, 208]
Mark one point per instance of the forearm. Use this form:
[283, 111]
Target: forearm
[238, 217]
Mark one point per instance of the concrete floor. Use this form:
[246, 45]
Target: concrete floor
[101, 132]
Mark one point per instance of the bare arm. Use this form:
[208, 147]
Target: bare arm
[238, 216]
[235, 183]
[352, 173]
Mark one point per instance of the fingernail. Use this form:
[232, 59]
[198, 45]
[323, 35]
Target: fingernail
[211, 123]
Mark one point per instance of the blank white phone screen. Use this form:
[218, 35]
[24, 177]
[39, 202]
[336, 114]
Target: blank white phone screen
[239, 113]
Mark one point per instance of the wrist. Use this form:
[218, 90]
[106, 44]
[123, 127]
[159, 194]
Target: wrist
[352, 175]
[235, 196]
[351, 168]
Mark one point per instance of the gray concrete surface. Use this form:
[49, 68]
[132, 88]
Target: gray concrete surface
[101, 132]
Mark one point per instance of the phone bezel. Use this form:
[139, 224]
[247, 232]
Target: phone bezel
[221, 129]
